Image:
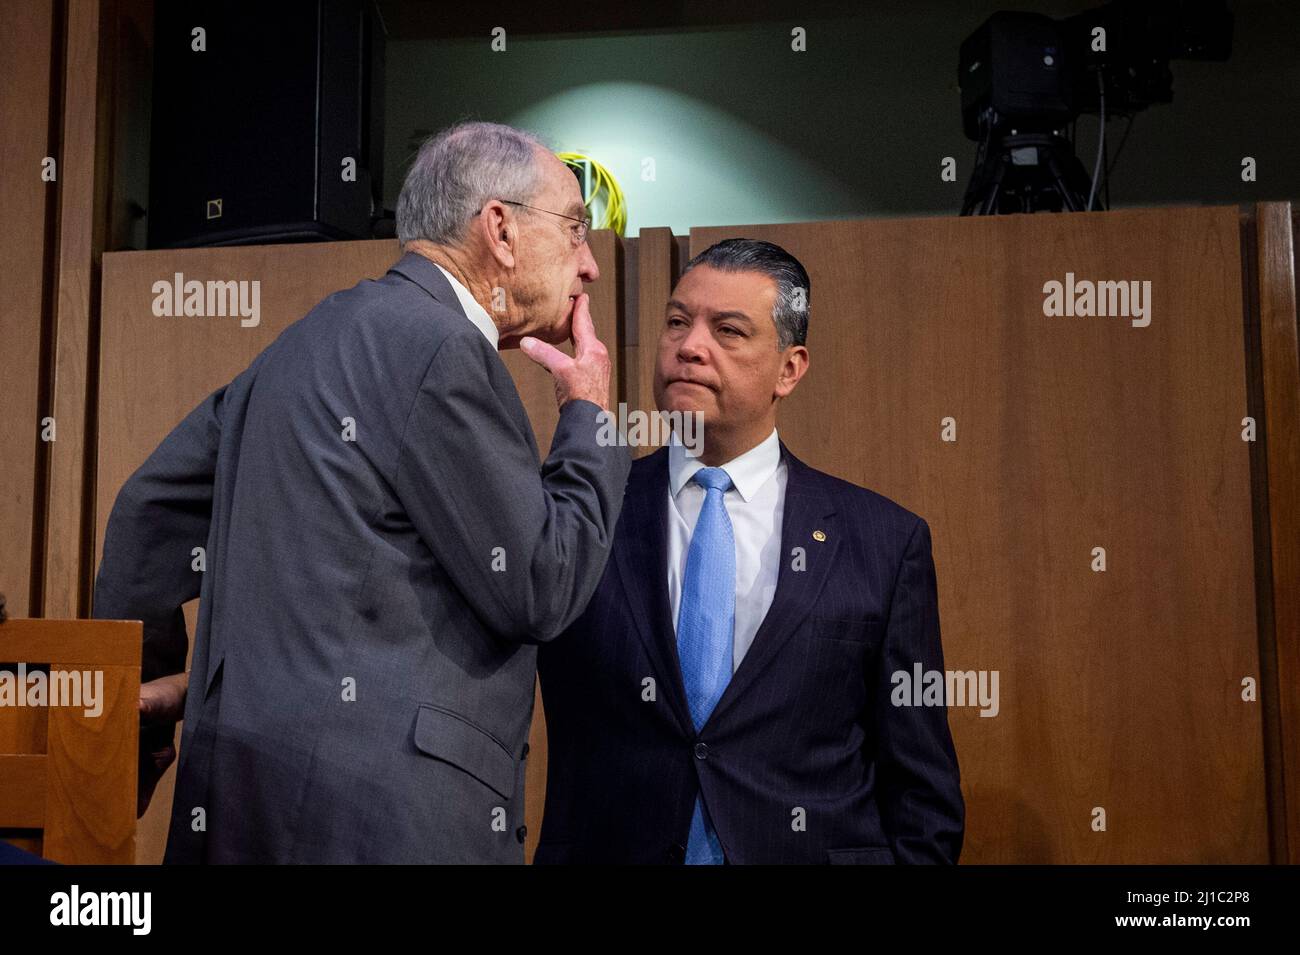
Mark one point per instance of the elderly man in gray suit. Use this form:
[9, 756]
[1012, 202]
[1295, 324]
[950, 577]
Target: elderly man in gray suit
[381, 552]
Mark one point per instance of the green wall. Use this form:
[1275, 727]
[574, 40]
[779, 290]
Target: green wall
[744, 130]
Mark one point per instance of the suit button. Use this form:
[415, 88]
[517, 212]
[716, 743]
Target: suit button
[701, 751]
[525, 751]
[677, 854]
[521, 833]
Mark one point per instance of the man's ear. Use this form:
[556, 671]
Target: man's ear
[497, 229]
[794, 365]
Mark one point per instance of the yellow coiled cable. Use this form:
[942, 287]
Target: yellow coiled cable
[602, 181]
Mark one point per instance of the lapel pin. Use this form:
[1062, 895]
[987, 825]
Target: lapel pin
[819, 536]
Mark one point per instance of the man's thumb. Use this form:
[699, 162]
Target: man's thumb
[548, 356]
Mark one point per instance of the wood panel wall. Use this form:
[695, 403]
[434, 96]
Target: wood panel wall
[28, 84]
[1275, 399]
[81, 222]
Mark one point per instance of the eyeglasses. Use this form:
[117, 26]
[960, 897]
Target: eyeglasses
[578, 233]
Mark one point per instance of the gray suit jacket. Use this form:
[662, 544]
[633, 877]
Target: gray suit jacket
[362, 678]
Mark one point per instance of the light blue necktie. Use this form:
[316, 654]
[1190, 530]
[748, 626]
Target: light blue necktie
[706, 623]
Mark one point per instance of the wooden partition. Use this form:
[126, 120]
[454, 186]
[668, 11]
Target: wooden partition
[153, 370]
[1273, 349]
[68, 766]
[1070, 439]
[1144, 711]
[28, 46]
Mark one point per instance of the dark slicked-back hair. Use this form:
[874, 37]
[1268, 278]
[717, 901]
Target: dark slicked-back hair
[793, 290]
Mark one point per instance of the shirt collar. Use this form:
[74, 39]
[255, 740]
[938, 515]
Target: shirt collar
[475, 312]
[748, 472]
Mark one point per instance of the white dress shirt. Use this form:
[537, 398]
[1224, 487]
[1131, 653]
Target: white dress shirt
[755, 504]
[475, 312]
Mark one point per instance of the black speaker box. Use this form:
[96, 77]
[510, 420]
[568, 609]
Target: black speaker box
[267, 122]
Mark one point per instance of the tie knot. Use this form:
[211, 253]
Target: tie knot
[713, 479]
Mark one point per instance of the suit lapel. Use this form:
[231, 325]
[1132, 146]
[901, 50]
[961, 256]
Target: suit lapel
[641, 555]
[807, 510]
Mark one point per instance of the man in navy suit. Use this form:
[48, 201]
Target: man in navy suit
[726, 695]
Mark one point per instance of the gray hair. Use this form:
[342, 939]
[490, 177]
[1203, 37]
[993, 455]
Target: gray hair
[793, 290]
[457, 171]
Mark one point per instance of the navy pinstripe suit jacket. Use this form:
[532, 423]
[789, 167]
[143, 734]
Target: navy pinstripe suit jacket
[804, 759]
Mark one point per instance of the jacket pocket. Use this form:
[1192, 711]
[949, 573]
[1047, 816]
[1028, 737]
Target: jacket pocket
[867, 855]
[845, 628]
[453, 739]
